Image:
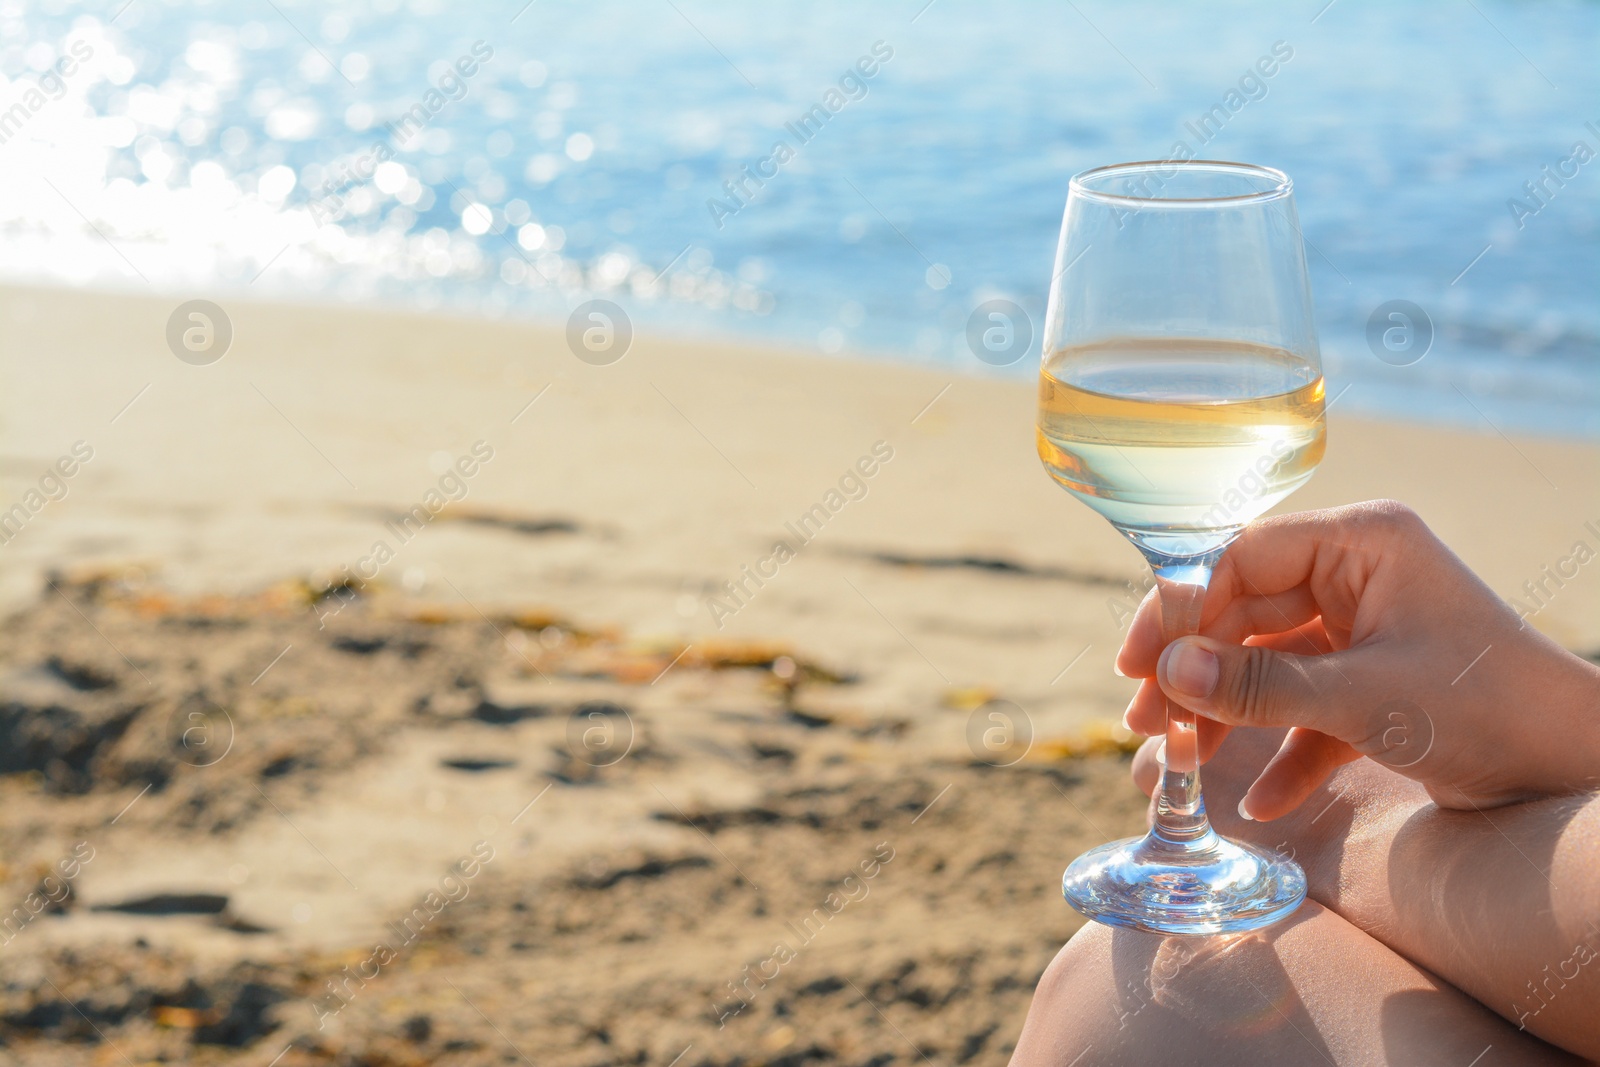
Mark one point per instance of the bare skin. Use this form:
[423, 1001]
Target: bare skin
[1121, 997]
[1454, 868]
[1359, 974]
[1361, 632]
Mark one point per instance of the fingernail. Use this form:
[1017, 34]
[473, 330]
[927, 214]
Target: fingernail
[1126, 725]
[1245, 814]
[1116, 670]
[1161, 753]
[1190, 668]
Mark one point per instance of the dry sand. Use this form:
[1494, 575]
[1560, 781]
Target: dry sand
[698, 795]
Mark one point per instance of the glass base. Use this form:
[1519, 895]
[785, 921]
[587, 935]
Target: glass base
[1208, 886]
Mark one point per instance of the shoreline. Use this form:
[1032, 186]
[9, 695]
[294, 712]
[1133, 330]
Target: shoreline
[323, 423]
[686, 334]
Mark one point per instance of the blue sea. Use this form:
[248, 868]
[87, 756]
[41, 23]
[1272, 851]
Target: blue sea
[515, 159]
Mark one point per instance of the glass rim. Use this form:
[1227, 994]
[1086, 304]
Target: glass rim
[1282, 185]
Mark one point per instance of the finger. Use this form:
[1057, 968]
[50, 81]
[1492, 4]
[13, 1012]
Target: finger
[1309, 637]
[1243, 616]
[1307, 640]
[1147, 712]
[1211, 736]
[1301, 765]
[1227, 620]
[1148, 761]
[1147, 716]
[1333, 553]
[1253, 685]
[1143, 642]
[1146, 768]
[1277, 554]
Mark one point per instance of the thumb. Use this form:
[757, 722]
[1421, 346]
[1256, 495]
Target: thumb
[1247, 685]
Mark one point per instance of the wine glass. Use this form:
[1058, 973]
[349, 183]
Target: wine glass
[1181, 396]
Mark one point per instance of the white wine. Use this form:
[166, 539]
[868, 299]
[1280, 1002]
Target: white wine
[1180, 435]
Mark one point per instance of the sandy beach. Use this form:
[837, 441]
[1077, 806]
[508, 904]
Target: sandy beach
[577, 765]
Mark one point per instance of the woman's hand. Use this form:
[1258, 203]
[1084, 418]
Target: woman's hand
[1362, 632]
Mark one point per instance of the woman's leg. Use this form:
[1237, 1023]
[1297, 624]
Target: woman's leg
[1503, 905]
[1311, 990]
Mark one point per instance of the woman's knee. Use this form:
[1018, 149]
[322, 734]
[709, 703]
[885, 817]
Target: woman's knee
[1311, 989]
[1120, 996]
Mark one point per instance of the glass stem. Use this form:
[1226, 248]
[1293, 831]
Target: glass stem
[1180, 819]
